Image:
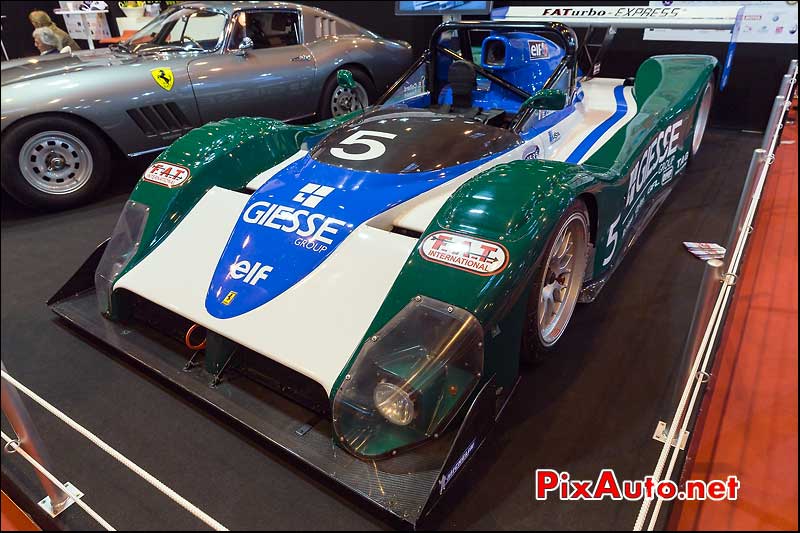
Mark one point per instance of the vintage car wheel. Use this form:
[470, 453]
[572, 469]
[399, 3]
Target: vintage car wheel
[336, 101]
[703, 111]
[557, 283]
[54, 162]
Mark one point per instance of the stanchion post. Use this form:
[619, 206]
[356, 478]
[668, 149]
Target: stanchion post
[757, 163]
[703, 308]
[31, 442]
[775, 122]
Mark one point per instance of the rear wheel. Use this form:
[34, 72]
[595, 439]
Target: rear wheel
[337, 101]
[701, 121]
[557, 283]
[53, 162]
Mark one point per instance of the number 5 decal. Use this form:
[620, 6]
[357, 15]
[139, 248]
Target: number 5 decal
[612, 240]
[376, 148]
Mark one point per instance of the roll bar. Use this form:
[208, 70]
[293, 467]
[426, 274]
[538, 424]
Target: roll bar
[563, 36]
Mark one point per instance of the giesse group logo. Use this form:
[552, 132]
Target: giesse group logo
[312, 194]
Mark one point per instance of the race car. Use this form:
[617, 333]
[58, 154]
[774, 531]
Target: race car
[361, 291]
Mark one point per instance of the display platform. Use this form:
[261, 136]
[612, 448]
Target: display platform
[592, 405]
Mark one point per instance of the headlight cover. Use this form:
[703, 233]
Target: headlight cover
[409, 380]
[120, 250]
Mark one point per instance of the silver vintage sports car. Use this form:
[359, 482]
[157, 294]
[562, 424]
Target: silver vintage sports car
[65, 116]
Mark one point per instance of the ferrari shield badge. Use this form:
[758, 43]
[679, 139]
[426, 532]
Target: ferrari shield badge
[164, 77]
[229, 298]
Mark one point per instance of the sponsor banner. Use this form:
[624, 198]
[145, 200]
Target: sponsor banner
[631, 16]
[469, 254]
[166, 174]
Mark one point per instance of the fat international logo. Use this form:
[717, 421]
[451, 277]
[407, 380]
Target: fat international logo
[466, 253]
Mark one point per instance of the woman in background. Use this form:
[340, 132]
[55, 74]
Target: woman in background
[40, 19]
[46, 41]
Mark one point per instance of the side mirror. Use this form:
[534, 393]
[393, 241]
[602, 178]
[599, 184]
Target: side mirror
[345, 79]
[550, 99]
[244, 46]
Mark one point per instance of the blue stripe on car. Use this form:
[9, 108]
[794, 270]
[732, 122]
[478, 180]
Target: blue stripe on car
[587, 144]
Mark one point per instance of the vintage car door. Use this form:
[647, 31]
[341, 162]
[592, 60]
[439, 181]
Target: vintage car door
[274, 78]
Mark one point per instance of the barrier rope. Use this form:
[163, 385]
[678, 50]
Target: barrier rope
[13, 446]
[152, 480]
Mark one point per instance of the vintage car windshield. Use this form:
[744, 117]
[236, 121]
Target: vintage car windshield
[187, 28]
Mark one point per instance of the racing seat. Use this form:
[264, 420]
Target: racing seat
[462, 78]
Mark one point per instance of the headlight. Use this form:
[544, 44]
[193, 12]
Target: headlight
[409, 380]
[120, 250]
[394, 404]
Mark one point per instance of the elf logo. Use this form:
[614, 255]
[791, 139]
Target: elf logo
[538, 50]
[252, 273]
[312, 194]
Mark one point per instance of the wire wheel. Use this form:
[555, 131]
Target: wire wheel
[344, 100]
[562, 278]
[55, 162]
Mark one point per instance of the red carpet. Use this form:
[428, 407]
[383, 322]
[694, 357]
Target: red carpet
[749, 423]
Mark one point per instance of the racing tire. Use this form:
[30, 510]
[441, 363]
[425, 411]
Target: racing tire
[54, 163]
[557, 283]
[334, 98]
[701, 118]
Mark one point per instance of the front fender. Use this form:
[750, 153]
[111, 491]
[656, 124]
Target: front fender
[515, 205]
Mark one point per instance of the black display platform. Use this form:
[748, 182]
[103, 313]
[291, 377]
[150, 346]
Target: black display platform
[592, 405]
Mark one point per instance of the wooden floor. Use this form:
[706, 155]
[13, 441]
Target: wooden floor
[748, 426]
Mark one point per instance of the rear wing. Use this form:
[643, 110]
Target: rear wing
[611, 18]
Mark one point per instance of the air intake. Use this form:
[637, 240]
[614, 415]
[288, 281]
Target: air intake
[160, 120]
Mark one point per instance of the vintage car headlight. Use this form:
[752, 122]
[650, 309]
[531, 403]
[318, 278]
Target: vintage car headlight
[410, 379]
[120, 250]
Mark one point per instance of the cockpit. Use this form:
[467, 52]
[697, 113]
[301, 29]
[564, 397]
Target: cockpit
[503, 82]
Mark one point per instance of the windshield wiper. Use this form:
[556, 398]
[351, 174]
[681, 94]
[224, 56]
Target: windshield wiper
[120, 46]
[170, 47]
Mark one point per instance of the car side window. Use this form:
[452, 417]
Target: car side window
[204, 29]
[267, 29]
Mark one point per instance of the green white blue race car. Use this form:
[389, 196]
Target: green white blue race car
[360, 291]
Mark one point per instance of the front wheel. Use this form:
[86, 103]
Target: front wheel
[557, 283]
[53, 162]
[337, 101]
